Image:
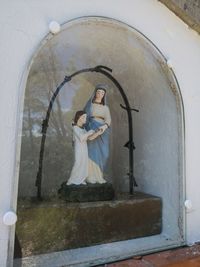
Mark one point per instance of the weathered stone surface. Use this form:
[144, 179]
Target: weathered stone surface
[56, 225]
[86, 193]
[187, 10]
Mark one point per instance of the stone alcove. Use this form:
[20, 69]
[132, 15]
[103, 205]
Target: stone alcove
[158, 128]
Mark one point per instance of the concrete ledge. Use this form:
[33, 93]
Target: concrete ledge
[54, 226]
[187, 10]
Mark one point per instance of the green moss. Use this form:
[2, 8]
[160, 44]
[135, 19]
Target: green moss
[55, 225]
[45, 229]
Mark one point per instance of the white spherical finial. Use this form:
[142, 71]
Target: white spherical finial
[9, 218]
[188, 205]
[54, 27]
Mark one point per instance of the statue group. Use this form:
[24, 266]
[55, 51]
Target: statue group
[91, 140]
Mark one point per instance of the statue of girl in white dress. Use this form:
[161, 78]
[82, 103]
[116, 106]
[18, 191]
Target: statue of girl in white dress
[79, 171]
[98, 117]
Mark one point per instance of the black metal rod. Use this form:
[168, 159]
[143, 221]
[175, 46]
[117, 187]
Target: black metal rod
[134, 109]
[44, 131]
[104, 70]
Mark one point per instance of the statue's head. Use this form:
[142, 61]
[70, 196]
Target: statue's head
[80, 118]
[100, 92]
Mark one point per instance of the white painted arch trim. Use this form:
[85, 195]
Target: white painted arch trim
[144, 245]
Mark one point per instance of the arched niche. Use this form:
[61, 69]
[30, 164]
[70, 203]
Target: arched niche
[150, 86]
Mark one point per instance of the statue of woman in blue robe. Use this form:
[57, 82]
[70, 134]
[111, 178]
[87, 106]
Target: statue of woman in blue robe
[98, 117]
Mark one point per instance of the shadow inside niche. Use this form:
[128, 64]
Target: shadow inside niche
[17, 253]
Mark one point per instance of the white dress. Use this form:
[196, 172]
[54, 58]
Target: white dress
[80, 169]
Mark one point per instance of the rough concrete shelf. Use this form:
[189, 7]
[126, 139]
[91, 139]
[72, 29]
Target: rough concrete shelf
[49, 225]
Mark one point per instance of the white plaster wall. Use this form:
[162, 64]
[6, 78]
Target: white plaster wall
[24, 25]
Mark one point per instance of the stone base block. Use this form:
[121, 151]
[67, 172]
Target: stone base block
[56, 225]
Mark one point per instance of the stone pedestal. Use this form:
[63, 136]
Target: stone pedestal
[86, 193]
[55, 225]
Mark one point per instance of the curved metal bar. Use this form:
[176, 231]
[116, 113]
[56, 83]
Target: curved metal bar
[134, 109]
[105, 71]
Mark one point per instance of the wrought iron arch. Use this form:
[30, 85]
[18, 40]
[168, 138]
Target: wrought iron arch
[130, 144]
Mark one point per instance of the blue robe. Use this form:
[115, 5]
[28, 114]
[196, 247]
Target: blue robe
[98, 149]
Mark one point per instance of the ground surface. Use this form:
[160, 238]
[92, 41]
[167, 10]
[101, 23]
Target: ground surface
[180, 257]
